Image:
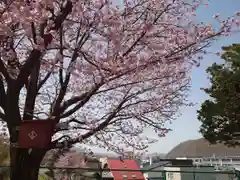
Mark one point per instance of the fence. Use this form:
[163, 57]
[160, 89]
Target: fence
[167, 173]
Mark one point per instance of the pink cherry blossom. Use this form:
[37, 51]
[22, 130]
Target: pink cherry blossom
[216, 16]
[71, 159]
[68, 160]
[111, 71]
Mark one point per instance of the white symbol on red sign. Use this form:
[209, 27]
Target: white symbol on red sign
[32, 135]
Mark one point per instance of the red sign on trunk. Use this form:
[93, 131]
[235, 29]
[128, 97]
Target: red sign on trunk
[35, 133]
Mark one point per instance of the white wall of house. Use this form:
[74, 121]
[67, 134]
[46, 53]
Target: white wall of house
[187, 173]
[145, 175]
[173, 175]
[155, 175]
[196, 173]
[216, 161]
[103, 161]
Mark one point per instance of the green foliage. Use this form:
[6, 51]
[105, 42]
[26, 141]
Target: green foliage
[220, 114]
[4, 159]
[43, 177]
[4, 162]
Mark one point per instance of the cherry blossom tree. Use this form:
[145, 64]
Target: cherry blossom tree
[70, 160]
[103, 72]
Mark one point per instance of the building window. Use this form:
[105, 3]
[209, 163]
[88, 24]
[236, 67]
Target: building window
[124, 175]
[170, 175]
[133, 176]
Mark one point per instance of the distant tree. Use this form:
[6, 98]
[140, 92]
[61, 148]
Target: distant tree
[220, 114]
[70, 160]
[4, 159]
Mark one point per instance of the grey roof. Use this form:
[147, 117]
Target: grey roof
[202, 148]
[155, 165]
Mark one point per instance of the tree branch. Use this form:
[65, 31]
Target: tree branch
[82, 98]
[2, 94]
[61, 60]
[43, 81]
[63, 90]
[35, 55]
[3, 70]
[33, 33]
[2, 116]
[64, 13]
[32, 91]
[26, 70]
[65, 125]
[144, 32]
[100, 127]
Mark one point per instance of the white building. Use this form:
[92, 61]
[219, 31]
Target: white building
[190, 173]
[218, 162]
[185, 169]
[204, 153]
[187, 173]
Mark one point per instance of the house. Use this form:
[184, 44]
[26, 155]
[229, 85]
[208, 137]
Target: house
[190, 173]
[183, 169]
[116, 169]
[156, 170]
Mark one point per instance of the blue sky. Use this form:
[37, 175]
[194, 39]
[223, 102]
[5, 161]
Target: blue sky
[186, 127]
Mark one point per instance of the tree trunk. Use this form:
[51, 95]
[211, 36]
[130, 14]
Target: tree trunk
[24, 164]
[25, 172]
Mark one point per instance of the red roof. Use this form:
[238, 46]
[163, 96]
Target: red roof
[125, 164]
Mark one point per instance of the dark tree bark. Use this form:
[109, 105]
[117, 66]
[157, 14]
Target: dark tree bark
[25, 164]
